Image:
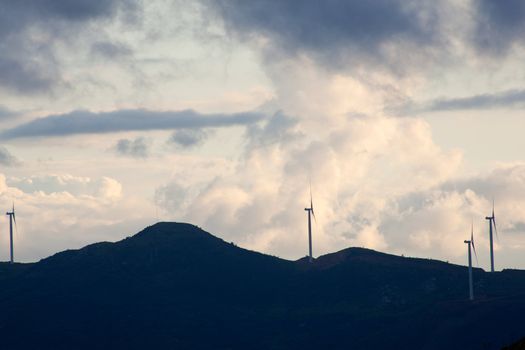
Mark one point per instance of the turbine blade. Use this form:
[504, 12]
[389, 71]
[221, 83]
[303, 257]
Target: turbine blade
[13, 211]
[312, 202]
[495, 227]
[494, 221]
[473, 245]
[14, 219]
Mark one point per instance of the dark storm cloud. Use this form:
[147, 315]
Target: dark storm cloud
[332, 30]
[137, 148]
[76, 10]
[29, 29]
[6, 158]
[397, 34]
[18, 15]
[24, 76]
[85, 122]
[500, 24]
[505, 99]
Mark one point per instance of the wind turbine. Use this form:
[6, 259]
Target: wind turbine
[492, 222]
[471, 244]
[310, 213]
[12, 217]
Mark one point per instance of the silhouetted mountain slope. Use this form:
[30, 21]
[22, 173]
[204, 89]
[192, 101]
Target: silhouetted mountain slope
[176, 286]
[519, 345]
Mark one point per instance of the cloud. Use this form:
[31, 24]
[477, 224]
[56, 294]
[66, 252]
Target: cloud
[499, 25]
[109, 188]
[78, 10]
[6, 158]
[171, 196]
[434, 221]
[277, 129]
[6, 113]
[505, 99]
[516, 227]
[110, 50]
[187, 138]
[371, 38]
[30, 30]
[25, 76]
[506, 182]
[137, 148]
[85, 122]
[334, 32]
[77, 186]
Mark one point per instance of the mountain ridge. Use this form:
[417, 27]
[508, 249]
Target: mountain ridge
[193, 232]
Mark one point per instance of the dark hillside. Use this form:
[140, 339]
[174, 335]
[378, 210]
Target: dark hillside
[520, 345]
[176, 286]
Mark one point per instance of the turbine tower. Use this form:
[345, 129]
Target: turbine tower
[471, 244]
[12, 218]
[310, 213]
[492, 223]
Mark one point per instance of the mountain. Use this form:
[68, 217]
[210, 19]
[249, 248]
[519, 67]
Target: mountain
[174, 286]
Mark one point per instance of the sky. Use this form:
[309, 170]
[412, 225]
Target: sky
[405, 117]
